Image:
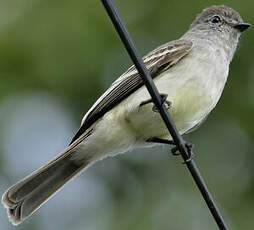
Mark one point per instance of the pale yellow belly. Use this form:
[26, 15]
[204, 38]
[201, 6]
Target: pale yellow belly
[190, 104]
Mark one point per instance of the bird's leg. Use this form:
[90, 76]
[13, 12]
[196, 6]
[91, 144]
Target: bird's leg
[163, 141]
[160, 141]
[163, 100]
[175, 150]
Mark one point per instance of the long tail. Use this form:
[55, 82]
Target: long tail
[26, 196]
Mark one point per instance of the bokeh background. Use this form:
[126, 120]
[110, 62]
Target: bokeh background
[57, 58]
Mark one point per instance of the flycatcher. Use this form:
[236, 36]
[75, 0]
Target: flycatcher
[190, 74]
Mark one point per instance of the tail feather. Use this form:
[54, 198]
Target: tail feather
[26, 196]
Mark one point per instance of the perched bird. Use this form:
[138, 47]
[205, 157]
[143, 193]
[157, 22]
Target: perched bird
[190, 74]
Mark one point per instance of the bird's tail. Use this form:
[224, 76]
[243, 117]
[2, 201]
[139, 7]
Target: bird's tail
[26, 196]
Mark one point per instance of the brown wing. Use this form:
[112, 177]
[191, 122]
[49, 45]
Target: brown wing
[156, 62]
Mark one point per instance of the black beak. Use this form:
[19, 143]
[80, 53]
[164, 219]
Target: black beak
[242, 26]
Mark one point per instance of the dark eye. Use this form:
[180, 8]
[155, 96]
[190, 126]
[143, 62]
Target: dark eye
[215, 19]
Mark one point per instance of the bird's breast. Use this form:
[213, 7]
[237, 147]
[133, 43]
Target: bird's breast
[193, 85]
[196, 87]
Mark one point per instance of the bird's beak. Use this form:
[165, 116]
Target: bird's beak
[241, 26]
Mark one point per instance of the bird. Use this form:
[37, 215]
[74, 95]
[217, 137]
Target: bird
[190, 74]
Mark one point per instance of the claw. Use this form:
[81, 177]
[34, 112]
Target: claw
[189, 148]
[174, 151]
[167, 103]
[163, 100]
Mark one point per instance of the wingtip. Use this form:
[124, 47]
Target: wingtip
[11, 209]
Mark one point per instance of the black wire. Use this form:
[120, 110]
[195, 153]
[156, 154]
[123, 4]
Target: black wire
[146, 77]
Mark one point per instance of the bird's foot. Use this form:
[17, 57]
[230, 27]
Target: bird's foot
[163, 100]
[175, 151]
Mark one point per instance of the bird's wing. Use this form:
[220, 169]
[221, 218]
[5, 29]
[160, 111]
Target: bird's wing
[156, 62]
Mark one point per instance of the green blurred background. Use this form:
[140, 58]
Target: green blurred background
[57, 58]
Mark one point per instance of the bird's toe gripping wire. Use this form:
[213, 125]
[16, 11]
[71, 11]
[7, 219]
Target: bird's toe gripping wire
[175, 151]
[163, 101]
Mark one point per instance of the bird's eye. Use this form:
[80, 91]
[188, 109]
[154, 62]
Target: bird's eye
[215, 19]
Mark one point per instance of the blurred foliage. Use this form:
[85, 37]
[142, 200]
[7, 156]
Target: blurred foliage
[66, 54]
